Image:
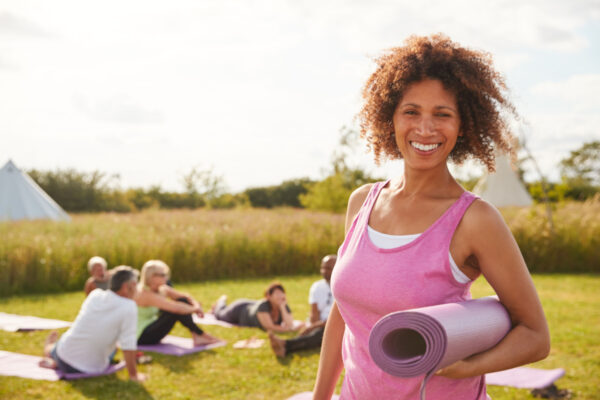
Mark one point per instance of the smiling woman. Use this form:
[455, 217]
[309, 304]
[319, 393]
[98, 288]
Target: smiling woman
[421, 239]
[478, 95]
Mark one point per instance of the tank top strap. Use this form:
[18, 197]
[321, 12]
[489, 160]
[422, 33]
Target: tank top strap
[455, 214]
[362, 219]
[365, 209]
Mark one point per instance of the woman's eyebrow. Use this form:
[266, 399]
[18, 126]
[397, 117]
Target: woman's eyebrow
[418, 106]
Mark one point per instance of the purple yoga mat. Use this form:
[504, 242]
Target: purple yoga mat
[525, 377]
[13, 323]
[26, 366]
[177, 346]
[423, 340]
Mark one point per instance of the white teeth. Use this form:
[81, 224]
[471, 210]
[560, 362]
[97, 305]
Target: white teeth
[424, 147]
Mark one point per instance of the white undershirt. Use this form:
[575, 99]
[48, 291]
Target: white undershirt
[385, 241]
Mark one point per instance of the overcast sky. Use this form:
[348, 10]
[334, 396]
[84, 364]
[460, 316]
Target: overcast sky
[258, 90]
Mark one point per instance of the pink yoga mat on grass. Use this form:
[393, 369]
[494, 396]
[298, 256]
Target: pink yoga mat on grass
[210, 319]
[525, 377]
[177, 346]
[423, 340]
[13, 323]
[26, 366]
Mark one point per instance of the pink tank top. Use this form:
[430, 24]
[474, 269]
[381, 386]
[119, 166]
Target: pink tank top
[369, 282]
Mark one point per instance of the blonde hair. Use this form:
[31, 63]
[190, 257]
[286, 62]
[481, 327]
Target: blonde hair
[150, 268]
[96, 260]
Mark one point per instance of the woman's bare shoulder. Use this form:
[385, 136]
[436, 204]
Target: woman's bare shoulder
[147, 298]
[356, 200]
[482, 218]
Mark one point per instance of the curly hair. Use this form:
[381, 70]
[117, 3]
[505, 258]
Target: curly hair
[480, 91]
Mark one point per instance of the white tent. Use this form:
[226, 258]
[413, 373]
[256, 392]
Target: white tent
[503, 187]
[22, 198]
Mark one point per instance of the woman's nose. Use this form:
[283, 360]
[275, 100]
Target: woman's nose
[425, 126]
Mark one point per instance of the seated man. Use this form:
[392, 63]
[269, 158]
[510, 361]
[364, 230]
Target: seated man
[105, 318]
[320, 299]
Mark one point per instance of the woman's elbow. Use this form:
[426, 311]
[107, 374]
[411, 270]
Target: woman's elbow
[540, 345]
[544, 346]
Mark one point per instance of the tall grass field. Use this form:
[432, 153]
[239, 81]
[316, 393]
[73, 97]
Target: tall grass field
[570, 302]
[200, 245]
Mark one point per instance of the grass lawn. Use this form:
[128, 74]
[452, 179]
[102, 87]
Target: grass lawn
[571, 303]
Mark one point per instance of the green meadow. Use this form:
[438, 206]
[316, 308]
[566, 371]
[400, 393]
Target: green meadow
[45, 257]
[570, 302]
[237, 252]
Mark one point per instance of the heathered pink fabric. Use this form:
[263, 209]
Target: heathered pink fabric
[369, 282]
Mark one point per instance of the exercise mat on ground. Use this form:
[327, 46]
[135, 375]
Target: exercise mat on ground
[178, 346]
[27, 366]
[525, 377]
[13, 323]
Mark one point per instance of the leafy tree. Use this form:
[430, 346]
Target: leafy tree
[332, 193]
[583, 164]
[285, 194]
[82, 191]
[203, 186]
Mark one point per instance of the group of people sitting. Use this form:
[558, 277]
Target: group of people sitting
[122, 310]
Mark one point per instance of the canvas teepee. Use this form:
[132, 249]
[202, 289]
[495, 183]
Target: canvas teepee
[503, 187]
[22, 198]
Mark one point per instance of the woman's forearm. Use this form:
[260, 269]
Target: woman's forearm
[520, 346]
[287, 318]
[330, 362]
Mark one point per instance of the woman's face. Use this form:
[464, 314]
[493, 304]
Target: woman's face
[426, 124]
[157, 279]
[277, 297]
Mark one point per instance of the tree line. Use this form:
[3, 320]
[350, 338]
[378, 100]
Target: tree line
[96, 191]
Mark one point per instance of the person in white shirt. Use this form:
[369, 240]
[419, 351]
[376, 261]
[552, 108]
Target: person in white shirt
[106, 317]
[320, 299]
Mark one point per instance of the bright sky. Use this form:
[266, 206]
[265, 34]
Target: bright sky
[258, 90]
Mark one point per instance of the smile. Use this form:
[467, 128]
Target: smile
[425, 147]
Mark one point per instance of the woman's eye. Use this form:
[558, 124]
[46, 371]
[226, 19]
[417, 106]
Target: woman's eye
[410, 112]
[443, 115]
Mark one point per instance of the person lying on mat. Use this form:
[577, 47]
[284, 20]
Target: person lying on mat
[160, 307]
[320, 299]
[270, 314]
[100, 278]
[106, 317]
[421, 239]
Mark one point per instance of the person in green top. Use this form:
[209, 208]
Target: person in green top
[270, 314]
[160, 307]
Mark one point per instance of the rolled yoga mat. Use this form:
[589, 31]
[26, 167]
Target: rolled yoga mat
[423, 340]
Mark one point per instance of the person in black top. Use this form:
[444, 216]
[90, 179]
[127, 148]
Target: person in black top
[270, 314]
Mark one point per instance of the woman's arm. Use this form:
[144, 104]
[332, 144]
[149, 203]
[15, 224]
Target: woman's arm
[315, 315]
[176, 295]
[267, 323]
[150, 299]
[287, 319]
[498, 256]
[330, 362]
